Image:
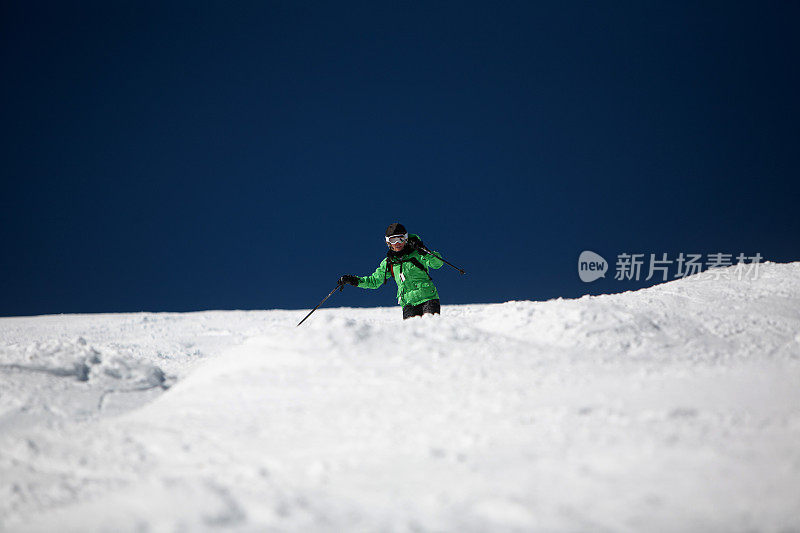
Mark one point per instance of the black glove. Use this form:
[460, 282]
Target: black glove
[416, 244]
[349, 279]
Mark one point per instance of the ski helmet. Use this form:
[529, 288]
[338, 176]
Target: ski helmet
[395, 228]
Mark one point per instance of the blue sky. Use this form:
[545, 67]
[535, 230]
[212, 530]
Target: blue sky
[180, 156]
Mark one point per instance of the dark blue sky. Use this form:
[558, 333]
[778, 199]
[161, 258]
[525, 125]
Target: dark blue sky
[171, 156]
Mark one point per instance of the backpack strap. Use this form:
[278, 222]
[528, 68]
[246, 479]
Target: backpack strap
[416, 262]
[389, 272]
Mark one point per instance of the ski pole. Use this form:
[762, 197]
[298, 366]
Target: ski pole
[338, 286]
[443, 259]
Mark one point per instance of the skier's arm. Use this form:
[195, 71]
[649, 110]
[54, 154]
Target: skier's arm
[432, 260]
[375, 280]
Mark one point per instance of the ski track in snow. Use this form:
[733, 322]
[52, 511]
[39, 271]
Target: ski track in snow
[672, 408]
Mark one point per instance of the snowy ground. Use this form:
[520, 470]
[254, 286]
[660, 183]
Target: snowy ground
[674, 408]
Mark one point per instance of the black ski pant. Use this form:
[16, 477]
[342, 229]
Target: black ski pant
[430, 307]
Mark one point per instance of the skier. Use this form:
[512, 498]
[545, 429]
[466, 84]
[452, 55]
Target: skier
[407, 261]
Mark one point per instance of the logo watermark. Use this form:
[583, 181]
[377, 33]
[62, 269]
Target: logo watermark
[632, 266]
[591, 266]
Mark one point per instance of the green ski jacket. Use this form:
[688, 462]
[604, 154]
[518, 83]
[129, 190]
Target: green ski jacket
[410, 271]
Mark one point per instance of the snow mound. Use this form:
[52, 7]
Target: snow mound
[82, 361]
[673, 408]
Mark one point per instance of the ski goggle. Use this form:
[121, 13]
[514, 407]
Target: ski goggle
[396, 239]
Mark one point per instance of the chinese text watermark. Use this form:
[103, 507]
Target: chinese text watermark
[661, 267]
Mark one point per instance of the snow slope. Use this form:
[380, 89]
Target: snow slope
[673, 408]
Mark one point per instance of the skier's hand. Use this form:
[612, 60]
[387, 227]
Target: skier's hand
[349, 279]
[416, 244]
